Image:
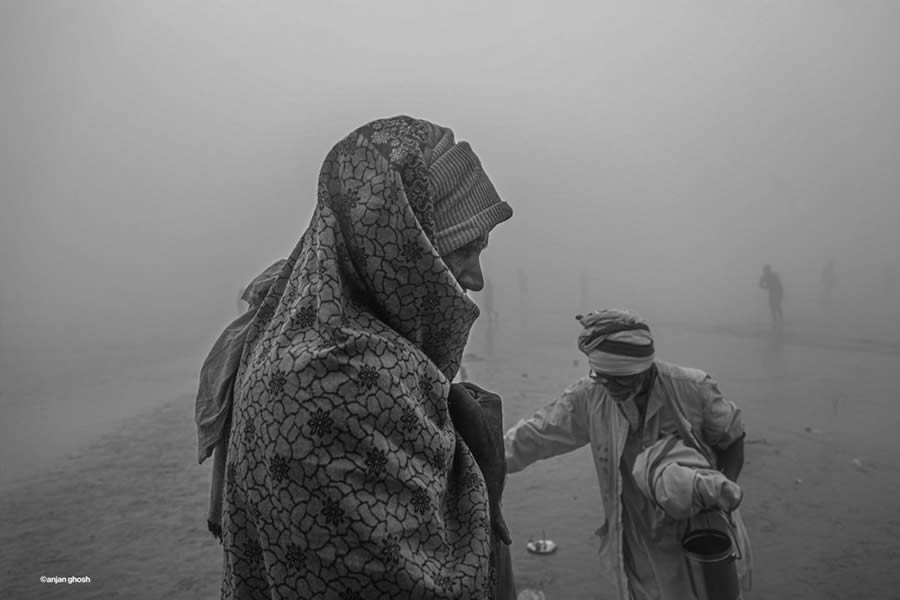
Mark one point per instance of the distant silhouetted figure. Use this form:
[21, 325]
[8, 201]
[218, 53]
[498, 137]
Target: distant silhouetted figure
[829, 279]
[771, 282]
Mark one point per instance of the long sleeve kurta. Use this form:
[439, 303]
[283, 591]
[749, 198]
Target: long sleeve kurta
[641, 555]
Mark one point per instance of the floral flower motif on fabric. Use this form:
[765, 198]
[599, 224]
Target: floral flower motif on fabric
[306, 317]
[421, 501]
[347, 146]
[445, 582]
[368, 377]
[376, 461]
[253, 551]
[409, 420]
[426, 384]
[320, 422]
[277, 382]
[472, 480]
[278, 468]
[430, 302]
[438, 459]
[295, 557]
[411, 251]
[266, 312]
[390, 549]
[333, 512]
[249, 431]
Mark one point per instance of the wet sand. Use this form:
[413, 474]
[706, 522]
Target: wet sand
[821, 480]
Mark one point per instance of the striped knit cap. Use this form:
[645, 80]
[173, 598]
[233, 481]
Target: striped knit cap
[616, 342]
[466, 205]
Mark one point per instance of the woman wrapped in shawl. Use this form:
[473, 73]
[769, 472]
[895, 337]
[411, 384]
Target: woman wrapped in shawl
[346, 477]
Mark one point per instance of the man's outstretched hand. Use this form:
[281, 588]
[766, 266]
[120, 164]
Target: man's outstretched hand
[730, 496]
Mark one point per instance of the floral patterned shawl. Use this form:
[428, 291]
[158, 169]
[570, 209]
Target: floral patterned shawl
[345, 476]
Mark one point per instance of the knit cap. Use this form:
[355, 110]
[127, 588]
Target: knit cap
[466, 205]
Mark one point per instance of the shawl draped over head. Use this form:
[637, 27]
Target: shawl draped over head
[345, 476]
[616, 342]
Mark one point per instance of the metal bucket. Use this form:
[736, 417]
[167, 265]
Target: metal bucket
[711, 556]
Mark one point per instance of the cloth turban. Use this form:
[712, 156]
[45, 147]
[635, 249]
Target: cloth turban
[616, 342]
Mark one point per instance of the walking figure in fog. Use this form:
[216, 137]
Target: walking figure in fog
[771, 282]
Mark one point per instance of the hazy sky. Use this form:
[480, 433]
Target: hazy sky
[157, 155]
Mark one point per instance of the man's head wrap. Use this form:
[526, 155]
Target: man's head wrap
[616, 342]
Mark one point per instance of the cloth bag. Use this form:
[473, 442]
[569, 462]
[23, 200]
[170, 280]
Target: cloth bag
[681, 481]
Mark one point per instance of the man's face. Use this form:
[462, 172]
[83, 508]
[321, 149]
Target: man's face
[465, 264]
[621, 387]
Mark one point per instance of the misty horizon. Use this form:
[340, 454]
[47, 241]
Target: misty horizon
[163, 155]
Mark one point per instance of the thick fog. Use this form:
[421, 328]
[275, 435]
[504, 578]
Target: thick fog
[157, 156]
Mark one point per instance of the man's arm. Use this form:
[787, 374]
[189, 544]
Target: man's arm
[723, 430]
[731, 460]
[556, 429]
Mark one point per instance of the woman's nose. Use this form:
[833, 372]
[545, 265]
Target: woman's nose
[472, 277]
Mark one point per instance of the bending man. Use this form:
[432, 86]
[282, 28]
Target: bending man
[628, 403]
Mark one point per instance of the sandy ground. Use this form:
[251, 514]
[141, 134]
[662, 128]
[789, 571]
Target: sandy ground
[821, 481]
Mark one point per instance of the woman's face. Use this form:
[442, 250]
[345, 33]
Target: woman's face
[465, 264]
